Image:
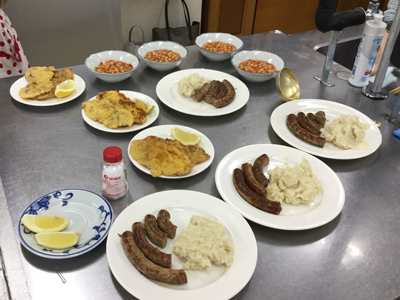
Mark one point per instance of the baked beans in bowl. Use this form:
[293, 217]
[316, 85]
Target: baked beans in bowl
[218, 46]
[162, 55]
[257, 65]
[112, 65]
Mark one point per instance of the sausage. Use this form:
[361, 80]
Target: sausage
[294, 127]
[153, 232]
[252, 181]
[152, 253]
[258, 167]
[148, 268]
[251, 197]
[202, 92]
[213, 92]
[320, 118]
[222, 90]
[164, 223]
[301, 119]
[312, 122]
[228, 98]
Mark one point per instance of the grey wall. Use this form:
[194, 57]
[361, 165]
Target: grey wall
[64, 33]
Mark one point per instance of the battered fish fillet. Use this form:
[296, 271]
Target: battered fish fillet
[166, 157]
[59, 76]
[114, 110]
[39, 82]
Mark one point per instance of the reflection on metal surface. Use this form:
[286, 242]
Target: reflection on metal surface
[354, 250]
[287, 85]
[343, 75]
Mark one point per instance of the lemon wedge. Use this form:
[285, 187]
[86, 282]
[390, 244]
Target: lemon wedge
[44, 223]
[186, 138]
[65, 88]
[58, 240]
[140, 104]
[147, 107]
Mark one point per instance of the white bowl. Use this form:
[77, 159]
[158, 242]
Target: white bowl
[95, 59]
[157, 45]
[259, 55]
[221, 37]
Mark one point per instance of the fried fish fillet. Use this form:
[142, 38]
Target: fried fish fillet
[39, 82]
[166, 157]
[114, 110]
[59, 76]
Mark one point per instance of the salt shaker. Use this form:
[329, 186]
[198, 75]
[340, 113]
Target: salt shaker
[114, 184]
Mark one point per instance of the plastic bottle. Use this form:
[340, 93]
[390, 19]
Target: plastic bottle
[114, 184]
[367, 51]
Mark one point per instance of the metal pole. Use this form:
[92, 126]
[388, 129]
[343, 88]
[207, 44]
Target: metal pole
[329, 59]
[374, 90]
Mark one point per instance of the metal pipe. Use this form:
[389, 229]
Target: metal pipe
[326, 19]
[375, 90]
[329, 59]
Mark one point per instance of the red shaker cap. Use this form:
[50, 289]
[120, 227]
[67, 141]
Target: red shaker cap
[112, 154]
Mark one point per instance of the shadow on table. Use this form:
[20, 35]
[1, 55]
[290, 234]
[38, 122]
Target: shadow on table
[65, 265]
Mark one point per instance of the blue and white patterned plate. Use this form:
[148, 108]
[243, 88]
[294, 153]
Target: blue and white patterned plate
[87, 213]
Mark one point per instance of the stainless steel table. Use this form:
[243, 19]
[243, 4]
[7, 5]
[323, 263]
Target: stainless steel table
[355, 256]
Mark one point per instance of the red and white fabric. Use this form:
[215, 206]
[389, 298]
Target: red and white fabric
[12, 57]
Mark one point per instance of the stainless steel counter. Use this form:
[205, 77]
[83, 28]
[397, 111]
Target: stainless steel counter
[355, 256]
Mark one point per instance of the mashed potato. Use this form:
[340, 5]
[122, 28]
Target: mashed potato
[188, 86]
[202, 242]
[346, 132]
[295, 186]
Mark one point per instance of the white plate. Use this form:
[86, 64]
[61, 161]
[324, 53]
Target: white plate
[151, 117]
[332, 110]
[164, 131]
[87, 213]
[215, 282]
[328, 202]
[167, 92]
[20, 83]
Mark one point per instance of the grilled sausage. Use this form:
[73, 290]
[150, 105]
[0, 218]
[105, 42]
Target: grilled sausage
[258, 167]
[294, 127]
[146, 267]
[222, 91]
[312, 122]
[251, 197]
[251, 180]
[153, 232]
[301, 119]
[213, 91]
[228, 98]
[202, 92]
[164, 223]
[320, 118]
[152, 253]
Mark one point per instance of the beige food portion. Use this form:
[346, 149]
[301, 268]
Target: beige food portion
[42, 82]
[347, 132]
[114, 110]
[203, 242]
[165, 156]
[295, 186]
[189, 85]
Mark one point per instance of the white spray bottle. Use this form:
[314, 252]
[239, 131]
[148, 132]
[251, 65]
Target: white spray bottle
[367, 51]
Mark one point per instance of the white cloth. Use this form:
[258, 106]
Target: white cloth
[12, 57]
